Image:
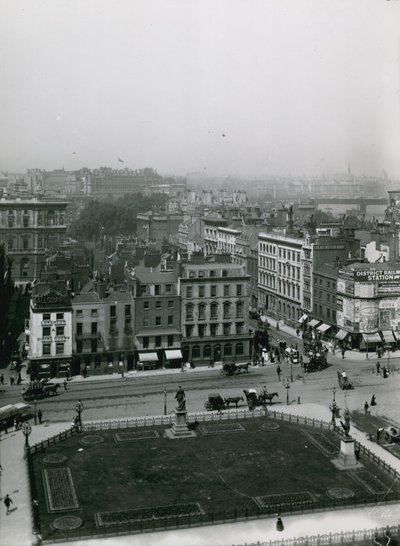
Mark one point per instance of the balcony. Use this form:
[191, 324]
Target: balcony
[46, 322]
[60, 322]
[85, 335]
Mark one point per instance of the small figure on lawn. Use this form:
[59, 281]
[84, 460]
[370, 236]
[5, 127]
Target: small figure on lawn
[279, 524]
[366, 408]
[181, 399]
[373, 400]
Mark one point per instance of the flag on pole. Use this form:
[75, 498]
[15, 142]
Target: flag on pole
[120, 160]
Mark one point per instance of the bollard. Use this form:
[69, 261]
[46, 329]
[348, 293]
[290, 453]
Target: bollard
[298, 399]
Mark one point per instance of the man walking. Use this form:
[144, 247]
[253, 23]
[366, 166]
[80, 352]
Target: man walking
[65, 384]
[8, 502]
[378, 368]
[40, 415]
[2, 379]
[279, 371]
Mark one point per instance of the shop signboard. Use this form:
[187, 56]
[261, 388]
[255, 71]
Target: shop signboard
[383, 276]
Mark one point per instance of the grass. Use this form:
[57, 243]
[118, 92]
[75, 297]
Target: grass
[221, 471]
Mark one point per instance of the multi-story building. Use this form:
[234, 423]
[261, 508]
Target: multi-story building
[280, 275]
[212, 222]
[50, 333]
[226, 240]
[368, 304]
[29, 227]
[214, 310]
[324, 296]
[157, 315]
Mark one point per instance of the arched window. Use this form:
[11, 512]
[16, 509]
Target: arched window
[25, 243]
[239, 348]
[196, 351]
[279, 307]
[284, 308]
[207, 351]
[10, 219]
[228, 349]
[185, 353]
[224, 273]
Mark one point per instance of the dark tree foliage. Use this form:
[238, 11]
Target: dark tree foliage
[114, 217]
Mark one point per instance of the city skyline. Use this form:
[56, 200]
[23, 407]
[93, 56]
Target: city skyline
[227, 88]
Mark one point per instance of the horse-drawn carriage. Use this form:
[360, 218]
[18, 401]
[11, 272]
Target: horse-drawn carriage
[254, 400]
[344, 381]
[232, 368]
[317, 361]
[40, 389]
[390, 435]
[216, 402]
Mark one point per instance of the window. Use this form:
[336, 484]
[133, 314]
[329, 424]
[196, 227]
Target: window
[207, 351]
[239, 309]
[146, 321]
[59, 330]
[157, 289]
[170, 341]
[170, 320]
[227, 310]
[79, 313]
[168, 288]
[146, 305]
[227, 328]
[201, 329]
[213, 291]
[238, 289]
[189, 292]
[93, 312]
[239, 327]
[60, 316]
[202, 311]
[79, 346]
[214, 310]
[158, 341]
[227, 290]
[145, 342]
[59, 348]
[158, 304]
[46, 316]
[224, 273]
[93, 328]
[227, 349]
[46, 348]
[143, 289]
[213, 329]
[25, 243]
[212, 273]
[93, 345]
[127, 310]
[196, 351]
[189, 312]
[200, 274]
[79, 328]
[239, 349]
[113, 311]
[189, 330]
[201, 291]
[170, 304]
[46, 331]
[158, 320]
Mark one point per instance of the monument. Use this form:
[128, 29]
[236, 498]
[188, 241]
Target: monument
[347, 458]
[180, 428]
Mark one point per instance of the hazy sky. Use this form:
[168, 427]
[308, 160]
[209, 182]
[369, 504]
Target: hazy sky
[296, 86]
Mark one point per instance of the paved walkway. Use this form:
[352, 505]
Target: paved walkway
[15, 529]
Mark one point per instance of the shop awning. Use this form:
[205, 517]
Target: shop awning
[313, 323]
[173, 354]
[341, 335]
[372, 338]
[324, 327]
[388, 336]
[302, 319]
[396, 335]
[148, 357]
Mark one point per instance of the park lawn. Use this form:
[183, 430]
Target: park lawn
[222, 471]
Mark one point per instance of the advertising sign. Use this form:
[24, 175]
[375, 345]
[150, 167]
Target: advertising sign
[385, 276]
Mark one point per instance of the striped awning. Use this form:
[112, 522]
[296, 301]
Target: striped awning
[372, 338]
[388, 336]
[173, 354]
[324, 327]
[148, 357]
[302, 319]
[313, 323]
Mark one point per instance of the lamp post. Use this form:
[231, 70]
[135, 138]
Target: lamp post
[121, 364]
[26, 430]
[79, 410]
[165, 401]
[286, 384]
[35, 402]
[333, 406]
[387, 347]
[291, 369]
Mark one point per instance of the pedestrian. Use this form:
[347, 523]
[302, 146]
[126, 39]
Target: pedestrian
[385, 372]
[366, 407]
[357, 454]
[65, 384]
[40, 415]
[297, 332]
[279, 524]
[378, 368]
[84, 372]
[279, 371]
[8, 502]
[2, 379]
[379, 433]
[11, 380]
[343, 352]
[1, 470]
[373, 400]
[19, 380]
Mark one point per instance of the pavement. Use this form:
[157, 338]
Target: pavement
[16, 528]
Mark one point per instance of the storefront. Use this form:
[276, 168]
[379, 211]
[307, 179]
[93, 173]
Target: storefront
[325, 330]
[173, 358]
[148, 361]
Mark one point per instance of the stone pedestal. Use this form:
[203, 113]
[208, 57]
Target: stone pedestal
[347, 458]
[179, 428]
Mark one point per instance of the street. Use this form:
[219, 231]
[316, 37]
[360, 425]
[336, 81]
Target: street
[138, 396]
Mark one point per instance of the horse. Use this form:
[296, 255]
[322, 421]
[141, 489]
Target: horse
[268, 397]
[51, 389]
[233, 400]
[242, 367]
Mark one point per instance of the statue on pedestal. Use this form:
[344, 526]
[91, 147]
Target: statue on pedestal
[181, 399]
